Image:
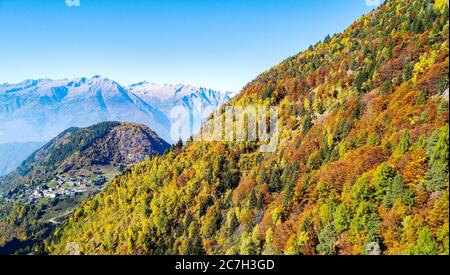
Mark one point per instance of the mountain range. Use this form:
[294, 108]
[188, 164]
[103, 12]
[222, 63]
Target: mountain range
[38, 110]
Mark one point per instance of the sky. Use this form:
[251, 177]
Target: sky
[218, 44]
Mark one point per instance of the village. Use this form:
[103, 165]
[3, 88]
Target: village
[62, 186]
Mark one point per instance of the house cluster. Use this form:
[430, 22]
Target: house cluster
[63, 187]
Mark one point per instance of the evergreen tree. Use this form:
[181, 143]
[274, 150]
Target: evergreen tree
[233, 223]
[396, 190]
[342, 218]
[327, 240]
[405, 142]
[383, 180]
[307, 124]
[252, 200]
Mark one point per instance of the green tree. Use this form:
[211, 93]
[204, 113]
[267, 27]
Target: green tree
[233, 222]
[342, 218]
[275, 182]
[373, 140]
[249, 245]
[395, 191]
[436, 177]
[405, 142]
[327, 240]
[383, 180]
[361, 190]
[252, 200]
[425, 245]
[308, 123]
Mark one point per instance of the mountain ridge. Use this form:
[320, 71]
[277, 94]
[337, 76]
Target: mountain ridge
[46, 107]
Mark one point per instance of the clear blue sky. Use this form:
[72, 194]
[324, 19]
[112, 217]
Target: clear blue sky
[221, 44]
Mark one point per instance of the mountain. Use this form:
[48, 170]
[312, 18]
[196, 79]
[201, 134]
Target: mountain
[66, 171]
[198, 102]
[37, 110]
[361, 166]
[13, 154]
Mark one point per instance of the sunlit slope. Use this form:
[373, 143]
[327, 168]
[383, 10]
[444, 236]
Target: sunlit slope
[361, 167]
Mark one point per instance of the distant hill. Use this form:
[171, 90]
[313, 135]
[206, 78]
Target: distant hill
[67, 170]
[102, 144]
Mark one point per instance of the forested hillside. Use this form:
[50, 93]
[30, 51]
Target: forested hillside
[66, 171]
[361, 167]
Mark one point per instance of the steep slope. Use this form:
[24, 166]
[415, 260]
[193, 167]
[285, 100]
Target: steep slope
[38, 110]
[361, 167]
[198, 103]
[13, 154]
[67, 170]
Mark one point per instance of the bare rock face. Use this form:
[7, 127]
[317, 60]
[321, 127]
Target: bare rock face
[125, 143]
[445, 95]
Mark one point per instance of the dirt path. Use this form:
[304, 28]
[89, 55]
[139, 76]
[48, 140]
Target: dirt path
[53, 220]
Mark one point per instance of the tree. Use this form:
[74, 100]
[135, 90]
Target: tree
[275, 182]
[342, 218]
[405, 142]
[436, 177]
[296, 243]
[233, 222]
[439, 150]
[261, 200]
[396, 190]
[307, 124]
[425, 245]
[373, 140]
[365, 225]
[438, 146]
[249, 245]
[179, 143]
[387, 87]
[252, 200]
[361, 190]
[327, 240]
[382, 180]
[441, 5]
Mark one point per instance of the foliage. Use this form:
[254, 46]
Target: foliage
[358, 170]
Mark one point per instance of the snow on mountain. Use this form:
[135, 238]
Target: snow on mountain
[38, 110]
[197, 102]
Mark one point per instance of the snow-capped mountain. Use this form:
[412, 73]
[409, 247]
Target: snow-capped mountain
[38, 110]
[195, 103]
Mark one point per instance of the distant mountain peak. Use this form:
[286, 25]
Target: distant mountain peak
[38, 109]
